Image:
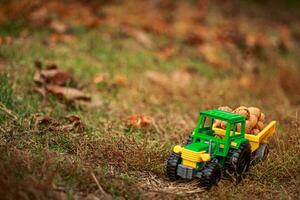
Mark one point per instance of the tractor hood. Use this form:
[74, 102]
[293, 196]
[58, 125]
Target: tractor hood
[192, 154]
[197, 147]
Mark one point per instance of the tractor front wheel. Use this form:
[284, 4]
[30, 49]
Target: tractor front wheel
[172, 164]
[211, 175]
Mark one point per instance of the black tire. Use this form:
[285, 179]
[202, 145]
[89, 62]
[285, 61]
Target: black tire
[238, 161]
[172, 164]
[211, 175]
[266, 153]
[260, 154]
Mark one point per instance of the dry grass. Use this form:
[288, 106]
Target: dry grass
[54, 159]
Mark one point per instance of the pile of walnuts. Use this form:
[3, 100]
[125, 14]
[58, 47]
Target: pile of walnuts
[254, 119]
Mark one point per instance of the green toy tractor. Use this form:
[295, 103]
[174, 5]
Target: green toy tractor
[210, 150]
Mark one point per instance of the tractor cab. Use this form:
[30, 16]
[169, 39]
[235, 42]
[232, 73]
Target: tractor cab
[231, 121]
[215, 145]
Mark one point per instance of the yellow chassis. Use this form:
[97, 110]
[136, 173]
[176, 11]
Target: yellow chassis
[255, 140]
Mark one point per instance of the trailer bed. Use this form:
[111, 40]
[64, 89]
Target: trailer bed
[255, 140]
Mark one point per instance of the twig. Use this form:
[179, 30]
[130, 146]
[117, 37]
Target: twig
[9, 112]
[98, 184]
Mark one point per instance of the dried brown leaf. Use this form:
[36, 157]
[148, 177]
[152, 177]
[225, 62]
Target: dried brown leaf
[120, 80]
[248, 81]
[286, 38]
[58, 26]
[68, 93]
[39, 16]
[43, 120]
[165, 52]
[6, 40]
[73, 118]
[77, 123]
[138, 121]
[52, 76]
[140, 36]
[100, 78]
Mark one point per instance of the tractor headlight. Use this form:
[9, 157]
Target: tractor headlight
[205, 157]
[177, 149]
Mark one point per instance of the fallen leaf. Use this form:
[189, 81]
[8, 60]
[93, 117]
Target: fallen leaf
[74, 123]
[231, 34]
[52, 80]
[286, 38]
[39, 16]
[247, 81]
[42, 91]
[51, 66]
[38, 65]
[120, 80]
[6, 40]
[52, 76]
[68, 93]
[100, 78]
[42, 120]
[77, 123]
[73, 118]
[58, 26]
[165, 52]
[138, 121]
[95, 103]
[146, 121]
[140, 36]
[257, 40]
[185, 24]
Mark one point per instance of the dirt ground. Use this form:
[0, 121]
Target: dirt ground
[94, 94]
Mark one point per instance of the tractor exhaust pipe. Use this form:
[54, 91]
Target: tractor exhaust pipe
[209, 147]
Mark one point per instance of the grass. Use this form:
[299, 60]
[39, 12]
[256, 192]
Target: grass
[6, 91]
[48, 161]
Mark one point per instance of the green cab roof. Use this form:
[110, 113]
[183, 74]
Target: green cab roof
[223, 115]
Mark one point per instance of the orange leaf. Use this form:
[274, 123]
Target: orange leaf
[120, 80]
[138, 121]
[99, 78]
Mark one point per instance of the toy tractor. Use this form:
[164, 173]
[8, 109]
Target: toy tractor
[210, 150]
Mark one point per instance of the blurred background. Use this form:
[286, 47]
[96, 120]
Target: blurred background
[85, 83]
[247, 40]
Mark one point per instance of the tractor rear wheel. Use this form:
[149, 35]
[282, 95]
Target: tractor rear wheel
[238, 161]
[260, 154]
[211, 175]
[172, 164]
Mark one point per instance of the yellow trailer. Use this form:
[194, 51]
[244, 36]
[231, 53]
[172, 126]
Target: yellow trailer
[259, 142]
